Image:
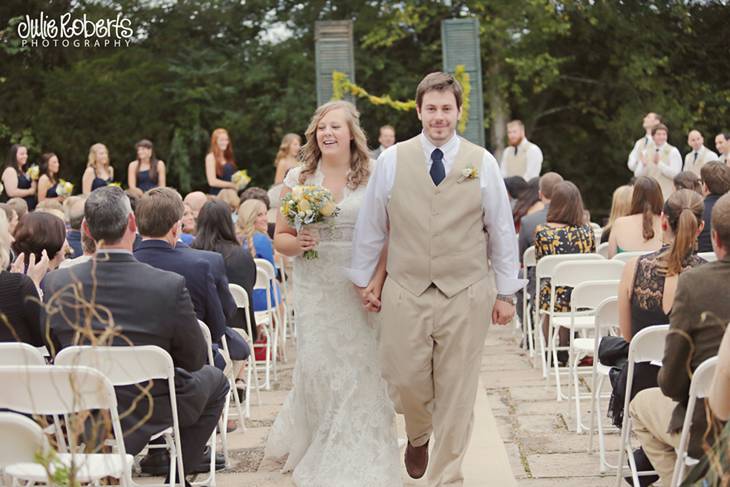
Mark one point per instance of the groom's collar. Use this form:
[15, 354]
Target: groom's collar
[429, 147]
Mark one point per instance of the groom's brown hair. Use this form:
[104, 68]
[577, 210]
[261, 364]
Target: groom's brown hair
[439, 81]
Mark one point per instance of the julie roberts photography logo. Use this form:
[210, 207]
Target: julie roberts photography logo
[81, 31]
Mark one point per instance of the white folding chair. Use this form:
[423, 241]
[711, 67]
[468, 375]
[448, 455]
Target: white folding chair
[699, 388]
[627, 256]
[125, 366]
[708, 256]
[597, 231]
[571, 273]
[584, 302]
[279, 311]
[287, 295]
[544, 270]
[60, 390]
[210, 480]
[645, 346]
[528, 327]
[240, 296]
[22, 440]
[606, 324]
[267, 318]
[602, 249]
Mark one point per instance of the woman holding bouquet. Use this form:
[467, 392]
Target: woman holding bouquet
[99, 172]
[219, 163]
[48, 182]
[336, 425]
[16, 183]
[146, 172]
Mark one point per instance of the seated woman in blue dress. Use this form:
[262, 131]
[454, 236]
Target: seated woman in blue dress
[99, 171]
[146, 172]
[219, 163]
[48, 169]
[16, 183]
[251, 227]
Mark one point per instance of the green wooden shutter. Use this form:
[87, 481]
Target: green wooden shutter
[460, 45]
[333, 51]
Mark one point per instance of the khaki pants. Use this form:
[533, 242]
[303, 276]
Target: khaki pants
[651, 412]
[430, 348]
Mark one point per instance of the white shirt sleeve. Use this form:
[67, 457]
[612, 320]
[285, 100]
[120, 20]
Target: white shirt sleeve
[534, 162]
[634, 157]
[502, 244]
[371, 228]
[674, 166]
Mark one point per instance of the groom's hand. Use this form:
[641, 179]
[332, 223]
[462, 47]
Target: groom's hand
[503, 312]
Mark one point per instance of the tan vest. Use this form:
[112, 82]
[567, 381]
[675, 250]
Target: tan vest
[437, 234]
[515, 164]
[653, 170]
[696, 166]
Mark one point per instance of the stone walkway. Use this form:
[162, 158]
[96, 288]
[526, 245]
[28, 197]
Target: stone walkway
[540, 445]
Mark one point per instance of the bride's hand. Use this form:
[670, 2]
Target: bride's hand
[306, 239]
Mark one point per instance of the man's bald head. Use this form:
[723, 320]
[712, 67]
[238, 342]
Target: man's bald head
[695, 140]
[195, 201]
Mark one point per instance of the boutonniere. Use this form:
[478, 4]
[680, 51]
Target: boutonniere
[469, 172]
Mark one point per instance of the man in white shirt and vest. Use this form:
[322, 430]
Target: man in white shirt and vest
[386, 138]
[662, 163]
[439, 204]
[643, 147]
[700, 155]
[722, 144]
[521, 157]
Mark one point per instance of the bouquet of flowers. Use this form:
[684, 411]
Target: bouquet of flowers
[241, 179]
[306, 205]
[33, 173]
[64, 188]
[115, 183]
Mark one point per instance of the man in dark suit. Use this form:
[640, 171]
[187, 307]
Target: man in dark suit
[715, 183]
[159, 213]
[698, 319]
[145, 306]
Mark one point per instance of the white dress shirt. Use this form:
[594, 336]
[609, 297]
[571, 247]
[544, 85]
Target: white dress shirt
[691, 158]
[635, 154]
[534, 160]
[669, 170]
[371, 230]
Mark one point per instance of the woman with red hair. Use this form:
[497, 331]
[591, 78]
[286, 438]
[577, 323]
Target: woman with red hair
[219, 163]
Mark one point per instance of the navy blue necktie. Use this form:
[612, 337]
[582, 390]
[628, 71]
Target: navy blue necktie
[438, 173]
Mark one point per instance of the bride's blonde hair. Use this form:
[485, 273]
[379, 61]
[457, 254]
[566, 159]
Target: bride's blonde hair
[359, 154]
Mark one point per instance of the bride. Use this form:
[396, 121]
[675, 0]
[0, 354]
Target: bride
[337, 424]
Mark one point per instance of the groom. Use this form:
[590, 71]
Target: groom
[440, 204]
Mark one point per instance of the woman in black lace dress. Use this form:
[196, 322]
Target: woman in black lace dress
[649, 282]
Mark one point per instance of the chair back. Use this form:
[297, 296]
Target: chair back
[240, 296]
[546, 265]
[603, 249]
[121, 365]
[21, 437]
[607, 314]
[572, 273]
[708, 256]
[590, 294]
[648, 344]
[529, 258]
[267, 267]
[208, 341]
[627, 256]
[20, 354]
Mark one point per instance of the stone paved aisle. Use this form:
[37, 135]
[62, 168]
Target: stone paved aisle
[541, 446]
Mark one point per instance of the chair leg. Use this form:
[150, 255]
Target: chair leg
[553, 346]
[594, 400]
[237, 401]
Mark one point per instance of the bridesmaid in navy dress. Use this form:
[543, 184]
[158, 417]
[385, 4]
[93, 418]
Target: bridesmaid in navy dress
[99, 171]
[16, 183]
[49, 168]
[147, 171]
[219, 163]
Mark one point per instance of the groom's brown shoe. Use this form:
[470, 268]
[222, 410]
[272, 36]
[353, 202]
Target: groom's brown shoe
[416, 460]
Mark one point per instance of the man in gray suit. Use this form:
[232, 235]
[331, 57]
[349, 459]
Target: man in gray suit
[142, 306]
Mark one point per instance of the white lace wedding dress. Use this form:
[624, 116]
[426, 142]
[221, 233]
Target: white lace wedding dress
[337, 424]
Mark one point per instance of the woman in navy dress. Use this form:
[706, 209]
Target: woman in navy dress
[49, 168]
[16, 183]
[219, 163]
[147, 171]
[99, 172]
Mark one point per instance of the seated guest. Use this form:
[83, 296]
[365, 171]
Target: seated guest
[159, 213]
[720, 391]
[252, 225]
[230, 198]
[37, 232]
[528, 203]
[687, 180]
[188, 226]
[20, 318]
[88, 247]
[515, 186]
[715, 183]
[73, 209]
[641, 229]
[19, 205]
[620, 206]
[529, 223]
[697, 322]
[195, 201]
[11, 216]
[161, 314]
[648, 285]
[272, 205]
[566, 232]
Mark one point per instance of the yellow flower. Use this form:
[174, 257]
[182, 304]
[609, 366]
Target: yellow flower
[328, 209]
[304, 206]
[297, 192]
